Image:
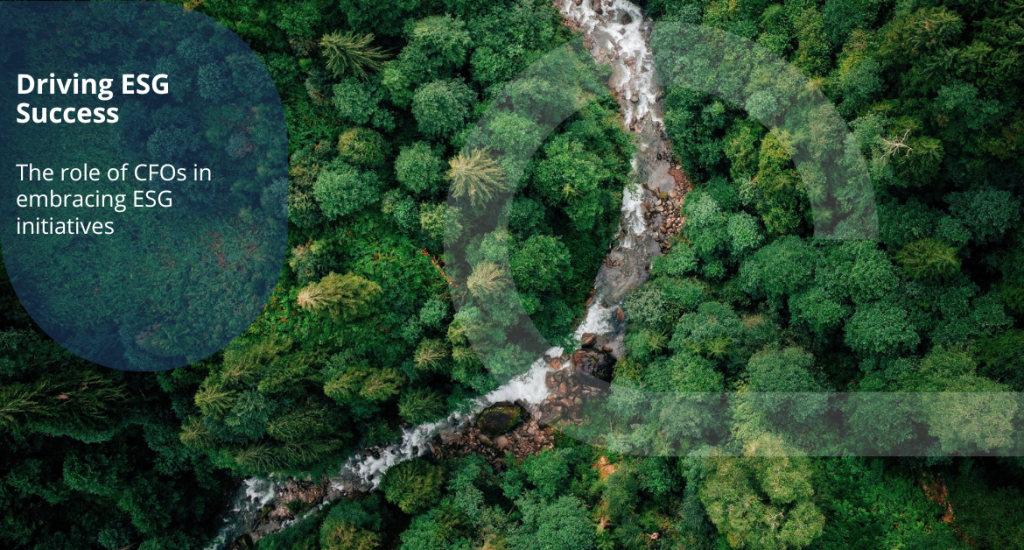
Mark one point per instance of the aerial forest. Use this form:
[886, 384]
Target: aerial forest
[367, 333]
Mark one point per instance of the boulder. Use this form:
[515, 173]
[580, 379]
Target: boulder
[499, 418]
[597, 364]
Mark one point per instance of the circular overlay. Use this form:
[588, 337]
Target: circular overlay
[143, 203]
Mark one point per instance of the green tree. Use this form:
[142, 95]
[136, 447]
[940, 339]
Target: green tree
[859, 85]
[418, 168]
[349, 53]
[440, 528]
[713, 330]
[1002, 358]
[437, 48]
[353, 524]
[857, 269]
[548, 471]
[475, 176]
[880, 328]
[741, 148]
[540, 263]
[820, 309]
[341, 296]
[707, 230]
[763, 500]
[441, 221]
[783, 201]
[774, 372]
[442, 107]
[362, 147]
[929, 260]
[343, 189]
[813, 48]
[841, 17]
[977, 413]
[359, 102]
[645, 307]
[363, 382]
[987, 212]
[434, 312]
[419, 405]
[441, 37]
[780, 269]
[572, 176]
[345, 536]
[745, 234]
[414, 485]
[562, 523]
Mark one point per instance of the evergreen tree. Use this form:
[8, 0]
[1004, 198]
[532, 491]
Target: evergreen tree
[349, 53]
[341, 296]
[414, 485]
[475, 176]
[929, 260]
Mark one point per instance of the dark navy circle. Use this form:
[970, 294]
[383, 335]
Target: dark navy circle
[159, 233]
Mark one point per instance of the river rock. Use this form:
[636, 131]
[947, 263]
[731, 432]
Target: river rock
[597, 364]
[588, 339]
[499, 418]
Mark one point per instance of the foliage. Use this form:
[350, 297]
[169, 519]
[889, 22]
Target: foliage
[442, 107]
[414, 485]
[344, 190]
[476, 176]
[343, 297]
[418, 168]
[929, 260]
[361, 336]
[761, 501]
[350, 53]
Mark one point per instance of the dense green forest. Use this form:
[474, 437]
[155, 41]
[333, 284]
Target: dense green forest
[362, 338]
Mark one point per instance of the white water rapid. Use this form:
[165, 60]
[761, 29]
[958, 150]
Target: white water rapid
[364, 470]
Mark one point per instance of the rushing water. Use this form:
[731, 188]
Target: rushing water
[616, 34]
[364, 470]
[249, 500]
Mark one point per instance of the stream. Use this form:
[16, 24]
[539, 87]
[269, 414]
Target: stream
[616, 33]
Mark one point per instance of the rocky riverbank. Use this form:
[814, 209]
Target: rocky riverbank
[664, 212]
[501, 430]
